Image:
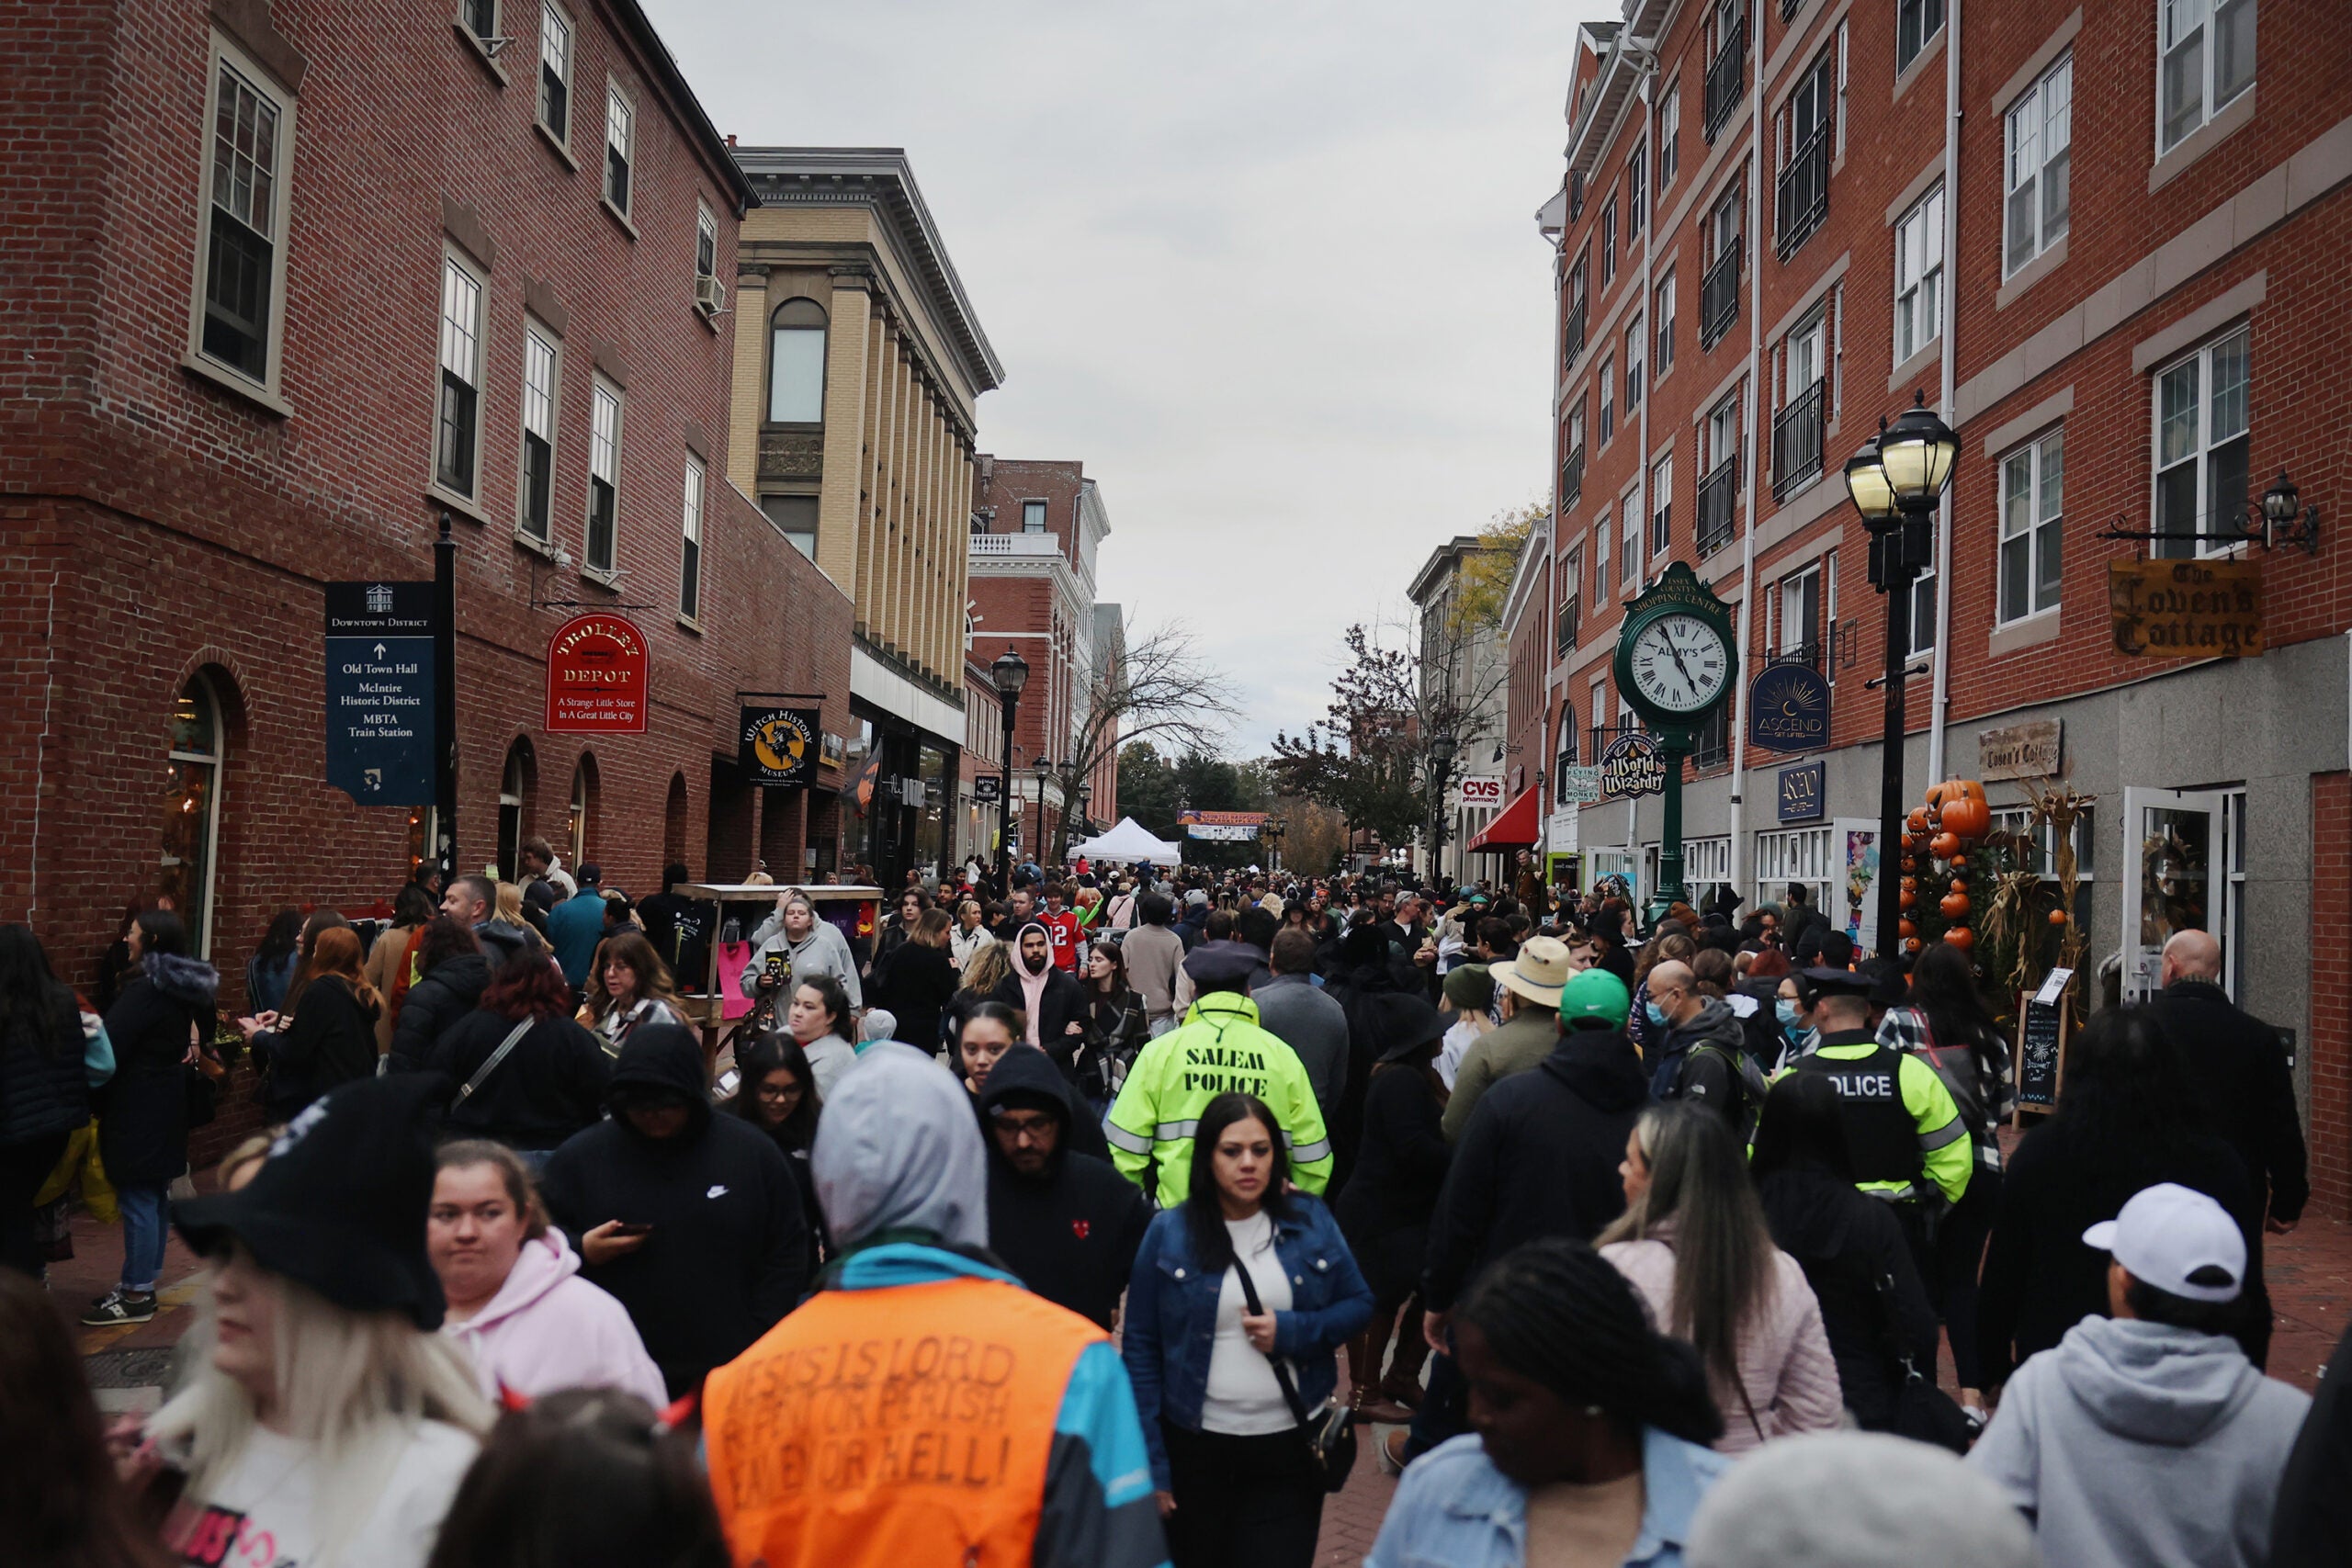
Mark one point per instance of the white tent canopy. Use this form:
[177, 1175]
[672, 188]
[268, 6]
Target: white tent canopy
[1126, 843]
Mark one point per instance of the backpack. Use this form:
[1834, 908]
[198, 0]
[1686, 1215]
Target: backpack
[1956, 1066]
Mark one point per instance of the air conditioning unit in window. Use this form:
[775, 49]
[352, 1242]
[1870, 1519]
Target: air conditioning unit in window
[710, 296]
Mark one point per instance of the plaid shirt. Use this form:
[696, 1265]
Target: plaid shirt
[1906, 1030]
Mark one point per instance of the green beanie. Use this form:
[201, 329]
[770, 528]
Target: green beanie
[1594, 998]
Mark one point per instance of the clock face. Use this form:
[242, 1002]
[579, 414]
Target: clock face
[1680, 664]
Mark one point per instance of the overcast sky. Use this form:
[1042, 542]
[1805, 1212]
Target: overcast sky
[1271, 270]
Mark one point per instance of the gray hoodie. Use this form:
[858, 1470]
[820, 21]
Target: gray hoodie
[899, 1148]
[2135, 1443]
[824, 950]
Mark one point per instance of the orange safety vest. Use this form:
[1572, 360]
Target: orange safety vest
[901, 1426]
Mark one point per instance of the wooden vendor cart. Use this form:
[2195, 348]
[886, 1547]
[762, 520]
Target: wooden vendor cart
[721, 1005]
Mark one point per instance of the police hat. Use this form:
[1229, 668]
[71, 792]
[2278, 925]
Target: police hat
[1226, 966]
[1819, 981]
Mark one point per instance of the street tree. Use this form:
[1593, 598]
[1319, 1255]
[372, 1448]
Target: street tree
[1157, 689]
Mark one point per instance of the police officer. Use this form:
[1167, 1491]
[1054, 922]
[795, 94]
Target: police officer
[1902, 1129]
[1218, 1049]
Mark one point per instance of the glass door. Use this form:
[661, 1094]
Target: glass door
[2175, 876]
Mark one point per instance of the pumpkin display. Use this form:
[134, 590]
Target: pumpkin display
[1909, 884]
[1910, 863]
[1911, 945]
[1954, 906]
[1944, 846]
[1917, 821]
[1942, 795]
[1961, 937]
[1959, 885]
[1907, 928]
[1907, 897]
[1968, 816]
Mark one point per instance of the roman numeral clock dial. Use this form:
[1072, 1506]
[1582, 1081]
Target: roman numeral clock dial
[1680, 664]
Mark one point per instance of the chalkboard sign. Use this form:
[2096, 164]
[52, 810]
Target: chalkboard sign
[2041, 1040]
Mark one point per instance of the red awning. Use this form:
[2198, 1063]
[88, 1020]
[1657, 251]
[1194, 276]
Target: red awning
[1514, 829]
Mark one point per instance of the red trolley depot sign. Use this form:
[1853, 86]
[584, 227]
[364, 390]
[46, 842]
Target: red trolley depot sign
[596, 677]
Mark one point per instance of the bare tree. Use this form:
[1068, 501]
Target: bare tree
[1157, 688]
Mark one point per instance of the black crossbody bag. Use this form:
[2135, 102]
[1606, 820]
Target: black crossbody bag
[1329, 1432]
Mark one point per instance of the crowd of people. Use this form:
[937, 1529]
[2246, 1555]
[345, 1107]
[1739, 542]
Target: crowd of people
[1104, 1216]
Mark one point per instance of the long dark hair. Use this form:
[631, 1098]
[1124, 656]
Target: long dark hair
[1943, 987]
[1802, 1130]
[412, 905]
[2127, 1092]
[1558, 1313]
[529, 986]
[36, 1008]
[323, 920]
[583, 1476]
[1723, 1249]
[445, 937]
[161, 930]
[833, 995]
[1204, 1215]
[278, 941]
[765, 1056]
[58, 1491]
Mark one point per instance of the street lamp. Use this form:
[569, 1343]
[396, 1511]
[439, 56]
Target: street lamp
[1045, 771]
[1085, 795]
[1443, 747]
[1275, 830]
[1010, 673]
[1895, 480]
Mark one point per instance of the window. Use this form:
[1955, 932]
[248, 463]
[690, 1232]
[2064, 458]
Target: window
[244, 215]
[583, 806]
[706, 242]
[555, 70]
[1601, 562]
[1629, 559]
[192, 808]
[1918, 274]
[1607, 400]
[1723, 433]
[1609, 242]
[2201, 447]
[1800, 615]
[1634, 336]
[1719, 439]
[1665, 314]
[458, 425]
[1719, 285]
[1570, 619]
[1916, 22]
[1637, 177]
[2040, 144]
[2205, 52]
[2032, 489]
[1567, 752]
[1803, 134]
[1923, 610]
[690, 549]
[795, 517]
[620, 121]
[1033, 516]
[603, 476]
[797, 363]
[1661, 505]
[1801, 855]
[480, 17]
[514, 794]
[1669, 133]
[538, 430]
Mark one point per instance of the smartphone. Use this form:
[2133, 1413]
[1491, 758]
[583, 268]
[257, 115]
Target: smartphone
[632, 1227]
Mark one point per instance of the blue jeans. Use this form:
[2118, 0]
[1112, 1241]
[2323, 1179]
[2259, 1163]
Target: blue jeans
[142, 1236]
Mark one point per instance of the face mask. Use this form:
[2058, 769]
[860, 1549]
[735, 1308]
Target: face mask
[1656, 1014]
[1785, 1010]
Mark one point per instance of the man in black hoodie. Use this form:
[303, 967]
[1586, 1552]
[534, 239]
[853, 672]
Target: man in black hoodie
[1067, 1222]
[692, 1220]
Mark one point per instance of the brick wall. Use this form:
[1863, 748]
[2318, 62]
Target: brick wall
[2329, 1047]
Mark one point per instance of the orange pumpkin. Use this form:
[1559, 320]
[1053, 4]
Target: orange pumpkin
[1907, 897]
[1959, 885]
[1917, 821]
[1910, 944]
[1968, 816]
[1961, 937]
[1907, 928]
[2057, 917]
[1944, 846]
[1944, 794]
[1910, 863]
[1954, 906]
[1909, 882]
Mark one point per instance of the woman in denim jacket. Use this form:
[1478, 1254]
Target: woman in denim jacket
[1590, 1428]
[1237, 1487]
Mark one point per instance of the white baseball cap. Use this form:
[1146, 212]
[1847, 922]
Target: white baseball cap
[2169, 1234]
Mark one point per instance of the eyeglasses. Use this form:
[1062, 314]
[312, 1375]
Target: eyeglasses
[778, 1094]
[1034, 1124]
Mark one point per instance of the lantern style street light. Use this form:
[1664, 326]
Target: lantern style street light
[1896, 479]
[1009, 674]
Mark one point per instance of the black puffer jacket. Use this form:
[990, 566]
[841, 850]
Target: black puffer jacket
[142, 1115]
[1539, 1160]
[331, 1041]
[43, 1091]
[433, 1006]
[1070, 1231]
[550, 1087]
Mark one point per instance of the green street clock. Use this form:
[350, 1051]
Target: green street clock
[1678, 659]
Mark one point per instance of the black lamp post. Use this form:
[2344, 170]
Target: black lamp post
[1085, 795]
[1045, 771]
[1275, 830]
[1442, 751]
[1010, 673]
[1895, 482]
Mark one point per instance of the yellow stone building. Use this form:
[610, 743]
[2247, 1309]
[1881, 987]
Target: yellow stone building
[858, 367]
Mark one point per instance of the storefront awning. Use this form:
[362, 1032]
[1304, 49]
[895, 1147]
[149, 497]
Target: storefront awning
[1514, 829]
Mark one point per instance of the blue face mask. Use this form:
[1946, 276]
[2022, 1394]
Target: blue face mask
[1656, 1014]
[1785, 1010]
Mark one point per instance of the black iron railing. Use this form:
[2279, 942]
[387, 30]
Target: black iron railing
[1797, 442]
[1727, 79]
[1572, 335]
[1569, 623]
[1719, 298]
[1572, 478]
[1802, 193]
[1718, 506]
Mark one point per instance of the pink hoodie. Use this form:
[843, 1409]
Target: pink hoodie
[549, 1329]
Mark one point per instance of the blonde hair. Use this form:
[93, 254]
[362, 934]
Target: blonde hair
[510, 903]
[353, 1385]
[238, 1166]
[988, 969]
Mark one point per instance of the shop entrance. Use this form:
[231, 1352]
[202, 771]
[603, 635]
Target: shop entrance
[2184, 868]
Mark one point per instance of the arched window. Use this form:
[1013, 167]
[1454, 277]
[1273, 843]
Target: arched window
[192, 808]
[797, 363]
[513, 801]
[1568, 758]
[583, 807]
[674, 822]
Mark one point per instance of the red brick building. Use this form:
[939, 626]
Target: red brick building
[2121, 278]
[287, 284]
[1037, 529]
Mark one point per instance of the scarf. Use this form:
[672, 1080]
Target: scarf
[1032, 987]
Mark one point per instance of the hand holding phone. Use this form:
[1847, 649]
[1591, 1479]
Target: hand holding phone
[612, 1241]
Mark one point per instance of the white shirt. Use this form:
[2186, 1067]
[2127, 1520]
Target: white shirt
[1242, 1398]
[268, 1500]
[1456, 1046]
